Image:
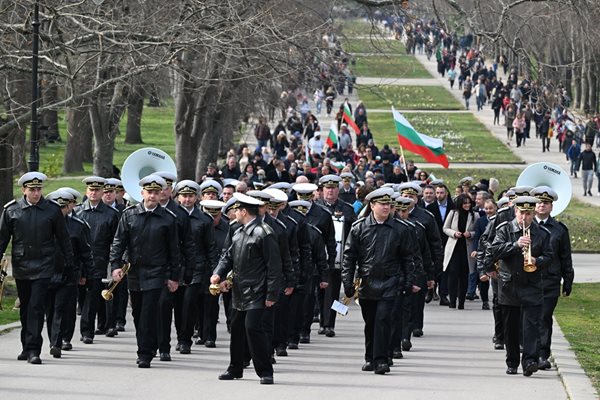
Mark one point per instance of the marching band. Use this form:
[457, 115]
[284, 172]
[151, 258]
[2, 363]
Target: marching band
[278, 257]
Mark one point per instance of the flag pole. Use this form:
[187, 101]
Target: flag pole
[403, 161]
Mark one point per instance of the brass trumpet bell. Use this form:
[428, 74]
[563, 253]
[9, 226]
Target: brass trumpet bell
[215, 288]
[107, 294]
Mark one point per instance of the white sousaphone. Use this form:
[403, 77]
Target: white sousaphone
[141, 163]
[549, 174]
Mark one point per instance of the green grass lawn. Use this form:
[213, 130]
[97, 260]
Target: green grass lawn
[7, 314]
[374, 45]
[157, 131]
[390, 67]
[408, 97]
[579, 319]
[357, 27]
[465, 138]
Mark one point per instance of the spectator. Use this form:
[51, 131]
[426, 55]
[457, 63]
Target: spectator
[509, 119]
[304, 109]
[315, 144]
[318, 97]
[519, 128]
[281, 146]
[573, 155]
[364, 135]
[262, 133]
[588, 164]
[231, 170]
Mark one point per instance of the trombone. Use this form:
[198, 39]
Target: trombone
[107, 294]
[346, 300]
[3, 275]
[528, 265]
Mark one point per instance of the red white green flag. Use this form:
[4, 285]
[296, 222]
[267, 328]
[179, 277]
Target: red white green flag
[332, 137]
[431, 149]
[348, 119]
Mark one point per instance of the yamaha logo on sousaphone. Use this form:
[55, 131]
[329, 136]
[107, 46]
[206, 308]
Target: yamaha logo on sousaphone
[141, 163]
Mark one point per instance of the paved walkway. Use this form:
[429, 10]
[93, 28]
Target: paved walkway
[453, 360]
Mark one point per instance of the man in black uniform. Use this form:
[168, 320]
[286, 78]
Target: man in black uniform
[103, 221]
[187, 259]
[343, 217]
[520, 288]
[61, 307]
[313, 262]
[36, 227]
[561, 267]
[347, 191]
[412, 191]
[149, 234]
[254, 258]
[187, 296]
[382, 254]
[322, 219]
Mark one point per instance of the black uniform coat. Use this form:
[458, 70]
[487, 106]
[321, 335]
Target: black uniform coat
[321, 218]
[562, 263]
[515, 286]
[283, 240]
[253, 256]
[203, 235]
[36, 231]
[79, 233]
[383, 254]
[432, 231]
[187, 244]
[103, 221]
[151, 239]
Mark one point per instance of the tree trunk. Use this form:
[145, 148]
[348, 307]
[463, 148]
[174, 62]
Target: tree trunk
[78, 122]
[135, 107]
[49, 119]
[6, 169]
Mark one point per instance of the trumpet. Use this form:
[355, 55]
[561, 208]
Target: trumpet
[528, 266]
[215, 288]
[107, 294]
[346, 300]
[3, 275]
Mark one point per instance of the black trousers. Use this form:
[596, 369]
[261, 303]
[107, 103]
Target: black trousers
[418, 308]
[91, 307]
[458, 279]
[33, 295]
[497, 311]
[246, 326]
[397, 324]
[546, 326]
[484, 288]
[61, 309]
[281, 311]
[530, 317]
[166, 303]
[70, 317]
[443, 284]
[295, 315]
[227, 306]
[377, 315]
[268, 326]
[329, 295]
[211, 316]
[186, 300]
[144, 306]
[116, 309]
[309, 304]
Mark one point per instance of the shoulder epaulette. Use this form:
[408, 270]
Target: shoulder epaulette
[207, 214]
[428, 212]
[292, 219]
[545, 229]
[493, 217]
[170, 212]
[403, 222]
[10, 203]
[563, 225]
[113, 208]
[53, 202]
[348, 204]
[79, 220]
[129, 207]
[315, 228]
[417, 223]
[322, 207]
[267, 228]
[503, 209]
[358, 220]
[233, 221]
[502, 224]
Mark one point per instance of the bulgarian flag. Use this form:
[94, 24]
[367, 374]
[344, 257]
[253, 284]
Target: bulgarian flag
[348, 119]
[432, 149]
[332, 137]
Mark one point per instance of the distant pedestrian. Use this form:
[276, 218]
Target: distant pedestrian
[467, 87]
[451, 78]
[588, 167]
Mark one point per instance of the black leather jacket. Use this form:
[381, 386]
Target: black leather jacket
[79, 233]
[562, 263]
[321, 218]
[203, 234]
[283, 240]
[253, 256]
[515, 286]
[291, 227]
[103, 222]
[383, 254]
[424, 268]
[187, 244]
[36, 231]
[151, 240]
[306, 266]
[433, 236]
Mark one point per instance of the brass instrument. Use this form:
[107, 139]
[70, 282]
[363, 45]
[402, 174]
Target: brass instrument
[3, 275]
[528, 266]
[215, 288]
[107, 294]
[346, 300]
